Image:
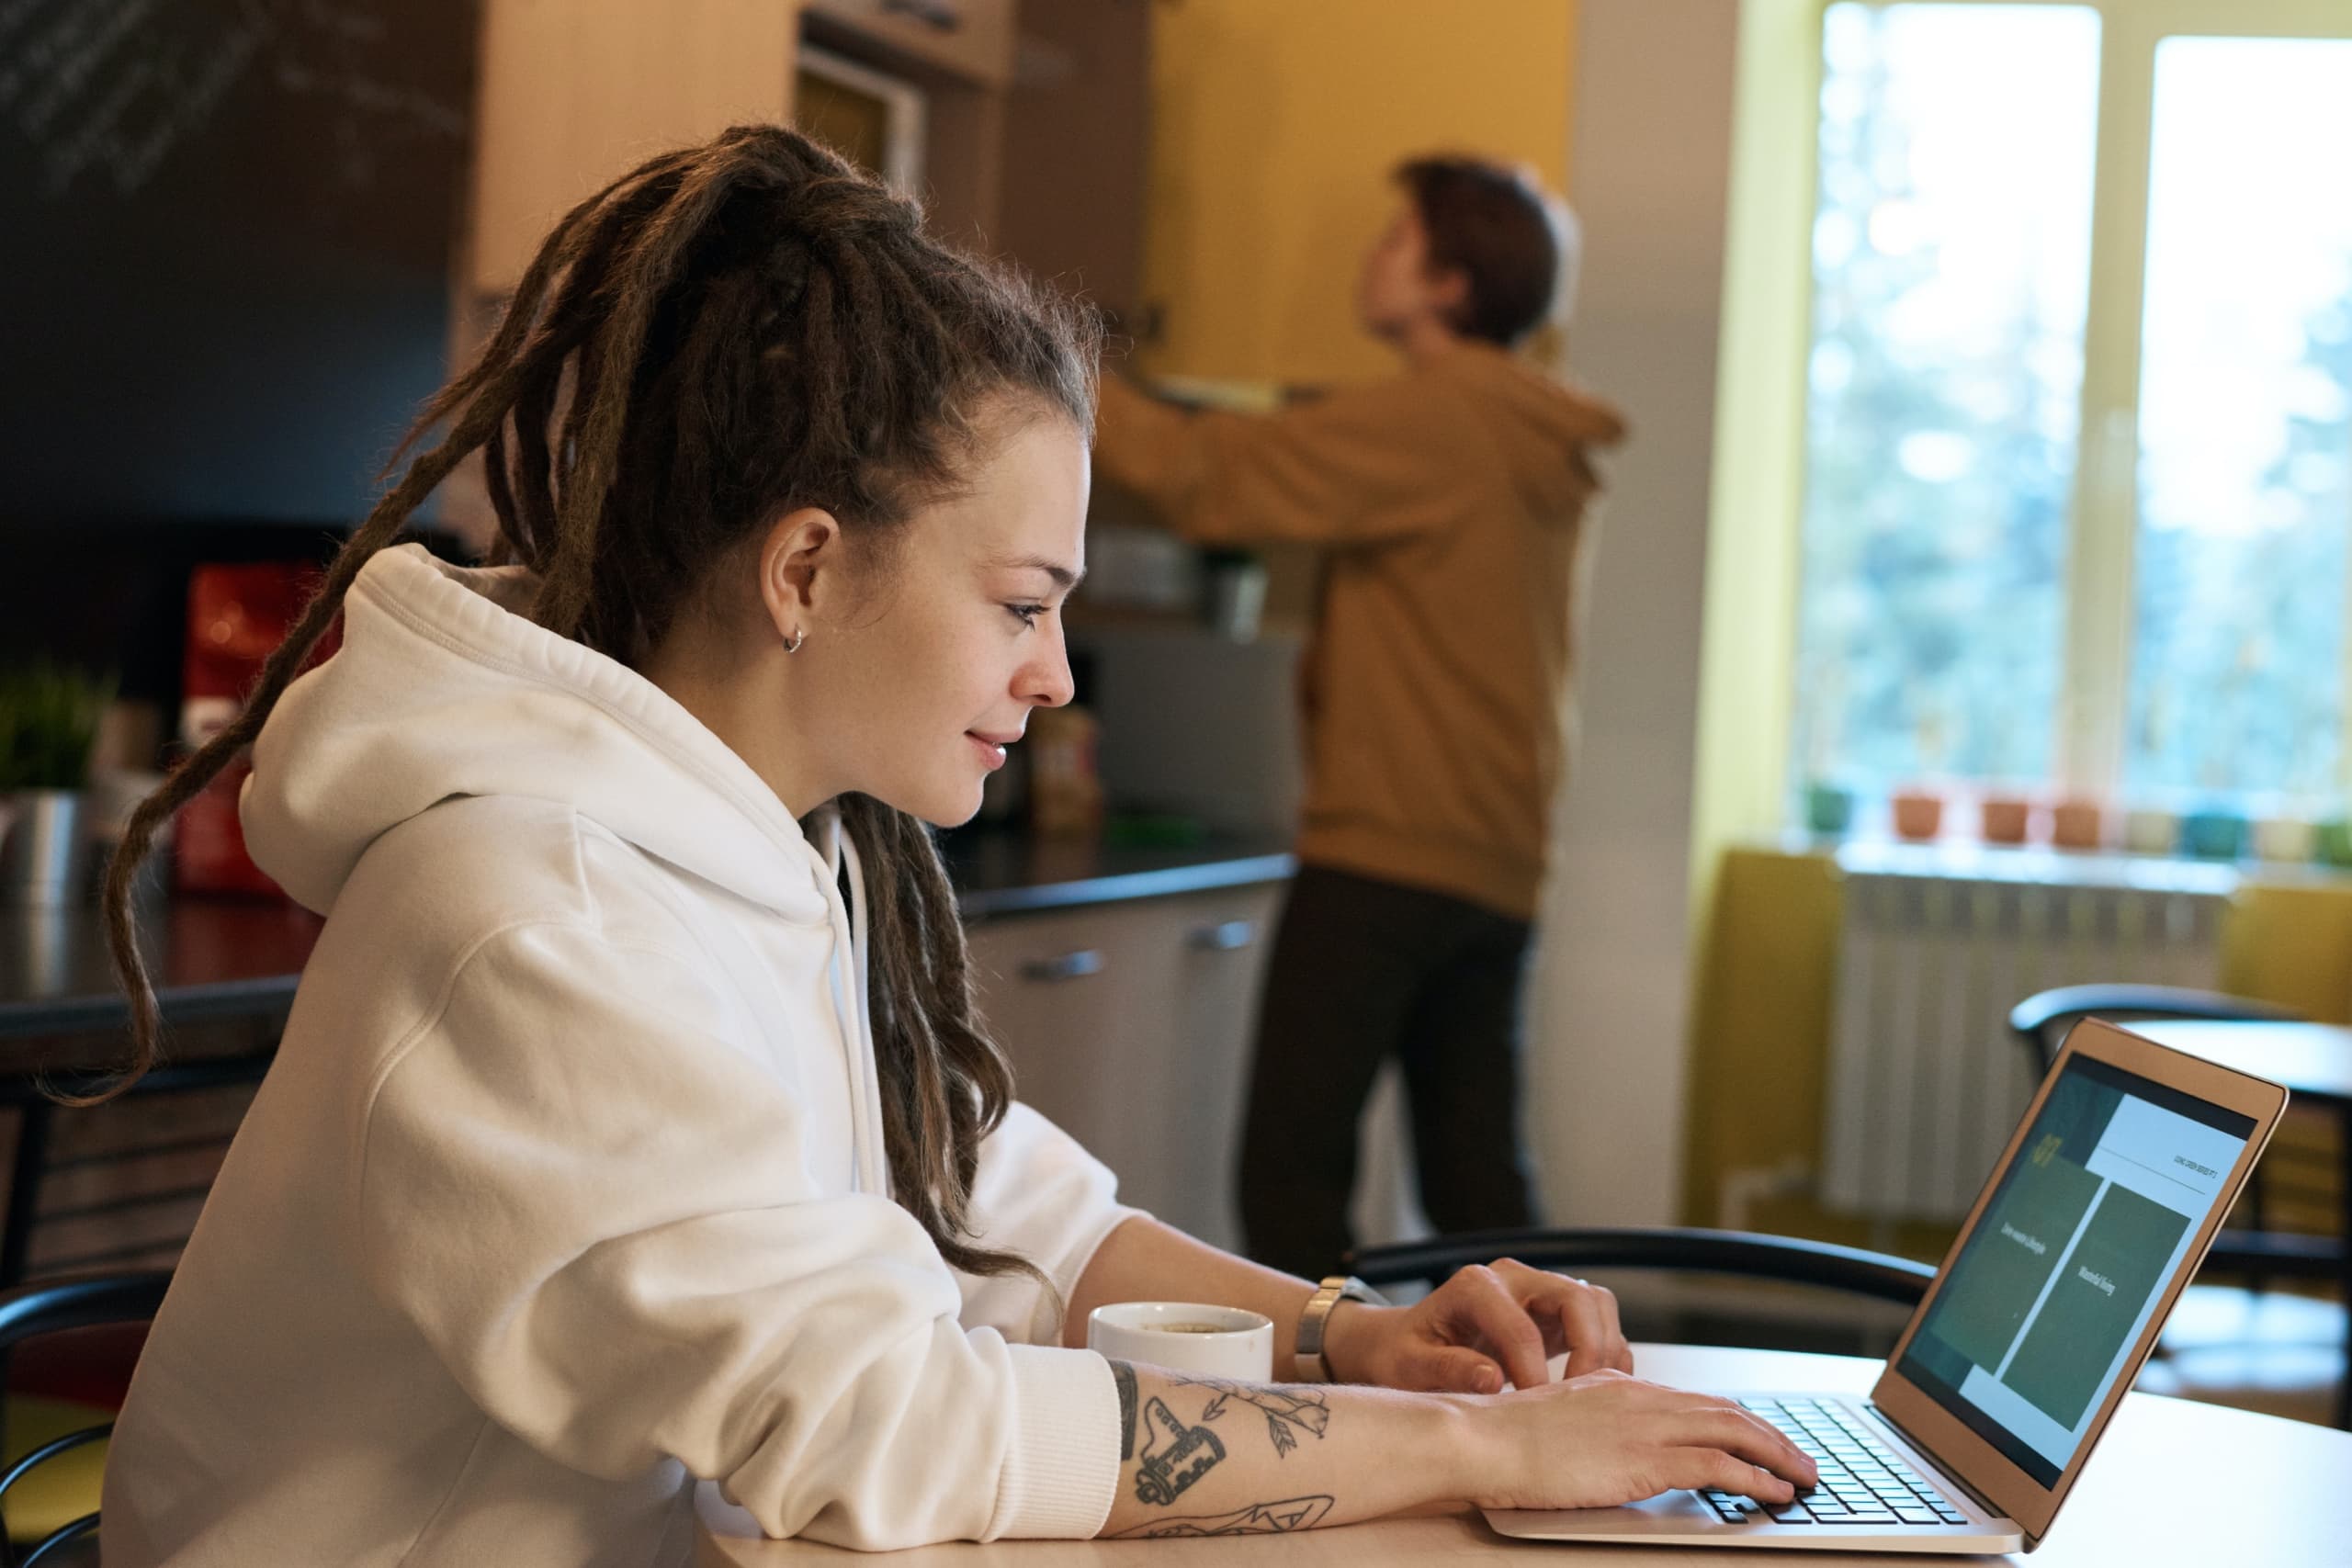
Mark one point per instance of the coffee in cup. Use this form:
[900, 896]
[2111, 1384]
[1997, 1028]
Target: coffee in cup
[1186, 1336]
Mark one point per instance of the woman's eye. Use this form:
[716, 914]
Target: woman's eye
[1026, 613]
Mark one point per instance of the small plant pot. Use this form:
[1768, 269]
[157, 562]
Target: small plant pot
[2287, 840]
[2214, 835]
[45, 848]
[2077, 825]
[1828, 809]
[2006, 819]
[1918, 814]
[2149, 831]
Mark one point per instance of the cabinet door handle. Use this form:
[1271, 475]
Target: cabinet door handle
[1226, 936]
[1075, 966]
[939, 15]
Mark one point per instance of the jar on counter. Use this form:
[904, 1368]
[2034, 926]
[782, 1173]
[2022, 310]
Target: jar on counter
[1064, 786]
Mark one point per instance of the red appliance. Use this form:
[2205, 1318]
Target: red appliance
[236, 618]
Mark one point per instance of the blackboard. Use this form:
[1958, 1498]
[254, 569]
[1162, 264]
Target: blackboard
[226, 231]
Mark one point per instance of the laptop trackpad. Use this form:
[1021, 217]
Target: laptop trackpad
[1669, 1513]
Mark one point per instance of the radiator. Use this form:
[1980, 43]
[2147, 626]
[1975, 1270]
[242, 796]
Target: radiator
[1926, 1082]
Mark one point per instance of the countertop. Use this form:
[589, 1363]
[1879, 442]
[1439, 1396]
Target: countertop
[999, 873]
[215, 957]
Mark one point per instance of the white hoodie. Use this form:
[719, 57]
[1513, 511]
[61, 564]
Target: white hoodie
[566, 1188]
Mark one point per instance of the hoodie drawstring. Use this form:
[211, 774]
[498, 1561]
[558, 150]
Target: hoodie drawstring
[873, 1169]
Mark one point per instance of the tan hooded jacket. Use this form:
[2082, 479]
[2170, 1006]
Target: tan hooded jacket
[1452, 504]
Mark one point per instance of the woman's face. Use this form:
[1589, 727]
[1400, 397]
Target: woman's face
[926, 656]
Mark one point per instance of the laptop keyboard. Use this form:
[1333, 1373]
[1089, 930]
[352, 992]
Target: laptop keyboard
[1863, 1482]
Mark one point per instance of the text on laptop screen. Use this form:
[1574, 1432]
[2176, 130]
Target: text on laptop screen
[2040, 1309]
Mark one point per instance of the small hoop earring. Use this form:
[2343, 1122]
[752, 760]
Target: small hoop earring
[792, 644]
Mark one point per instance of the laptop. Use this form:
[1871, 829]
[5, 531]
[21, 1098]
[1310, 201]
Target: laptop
[2097, 1214]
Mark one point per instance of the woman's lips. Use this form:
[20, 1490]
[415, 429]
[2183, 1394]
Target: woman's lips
[991, 752]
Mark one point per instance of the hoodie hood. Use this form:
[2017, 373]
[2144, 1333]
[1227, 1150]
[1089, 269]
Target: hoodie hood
[1544, 430]
[443, 688]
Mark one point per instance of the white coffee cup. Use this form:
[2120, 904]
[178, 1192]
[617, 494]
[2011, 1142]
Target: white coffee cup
[1188, 1336]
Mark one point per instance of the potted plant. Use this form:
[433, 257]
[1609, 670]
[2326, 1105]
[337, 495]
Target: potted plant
[49, 724]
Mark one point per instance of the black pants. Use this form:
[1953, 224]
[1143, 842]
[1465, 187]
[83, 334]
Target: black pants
[1363, 970]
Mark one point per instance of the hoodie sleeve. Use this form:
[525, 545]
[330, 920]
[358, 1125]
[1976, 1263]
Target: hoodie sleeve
[592, 1203]
[1362, 466]
[1040, 1194]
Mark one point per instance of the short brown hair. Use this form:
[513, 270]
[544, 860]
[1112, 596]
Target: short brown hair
[1498, 227]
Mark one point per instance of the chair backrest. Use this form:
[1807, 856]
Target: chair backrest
[53, 1306]
[2042, 1021]
[1782, 1293]
[1743, 1254]
[1684, 1285]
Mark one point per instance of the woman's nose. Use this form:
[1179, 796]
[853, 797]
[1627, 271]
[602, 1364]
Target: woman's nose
[1046, 681]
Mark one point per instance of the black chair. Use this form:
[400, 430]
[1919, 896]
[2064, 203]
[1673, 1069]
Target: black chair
[1741, 1255]
[30, 1312]
[2042, 1021]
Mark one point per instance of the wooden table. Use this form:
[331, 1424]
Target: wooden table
[2172, 1481]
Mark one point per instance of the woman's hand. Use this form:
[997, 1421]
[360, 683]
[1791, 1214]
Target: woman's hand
[1605, 1439]
[1486, 1324]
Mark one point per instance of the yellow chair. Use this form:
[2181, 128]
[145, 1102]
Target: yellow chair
[48, 1492]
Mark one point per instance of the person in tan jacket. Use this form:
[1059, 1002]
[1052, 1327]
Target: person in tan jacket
[1450, 505]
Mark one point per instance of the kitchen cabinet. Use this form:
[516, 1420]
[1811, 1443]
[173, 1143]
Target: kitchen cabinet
[1129, 1025]
[574, 92]
[1077, 147]
[971, 39]
[1274, 130]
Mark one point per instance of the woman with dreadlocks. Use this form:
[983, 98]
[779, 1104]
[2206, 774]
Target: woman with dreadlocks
[633, 1126]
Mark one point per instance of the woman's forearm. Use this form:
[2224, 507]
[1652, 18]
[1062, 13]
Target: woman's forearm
[1208, 1456]
[1211, 1456]
[1144, 1260]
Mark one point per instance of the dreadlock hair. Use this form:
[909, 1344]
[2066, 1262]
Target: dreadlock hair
[723, 335]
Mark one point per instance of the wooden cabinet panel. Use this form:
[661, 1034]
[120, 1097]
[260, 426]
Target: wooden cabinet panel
[1077, 139]
[1222, 943]
[1079, 1000]
[574, 92]
[1129, 1025]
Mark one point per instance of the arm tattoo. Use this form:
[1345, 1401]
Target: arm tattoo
[1125, 1376]
[1173, 1455]
[1289, 1409]
[1258, 1519]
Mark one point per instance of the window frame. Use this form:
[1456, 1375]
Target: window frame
[2103, 518]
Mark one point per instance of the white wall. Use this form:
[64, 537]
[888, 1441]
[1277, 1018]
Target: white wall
[1609, 998]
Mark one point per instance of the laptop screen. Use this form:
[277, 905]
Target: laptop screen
[2036, 1317]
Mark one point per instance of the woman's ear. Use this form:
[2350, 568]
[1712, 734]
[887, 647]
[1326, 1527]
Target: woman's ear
[800, 558]
[1450, 292]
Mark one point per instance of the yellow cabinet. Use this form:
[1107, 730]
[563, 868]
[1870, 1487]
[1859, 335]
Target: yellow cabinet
[1274, 128]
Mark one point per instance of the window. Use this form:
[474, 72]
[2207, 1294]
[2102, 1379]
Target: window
[2077, 481]
[2246, 420]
